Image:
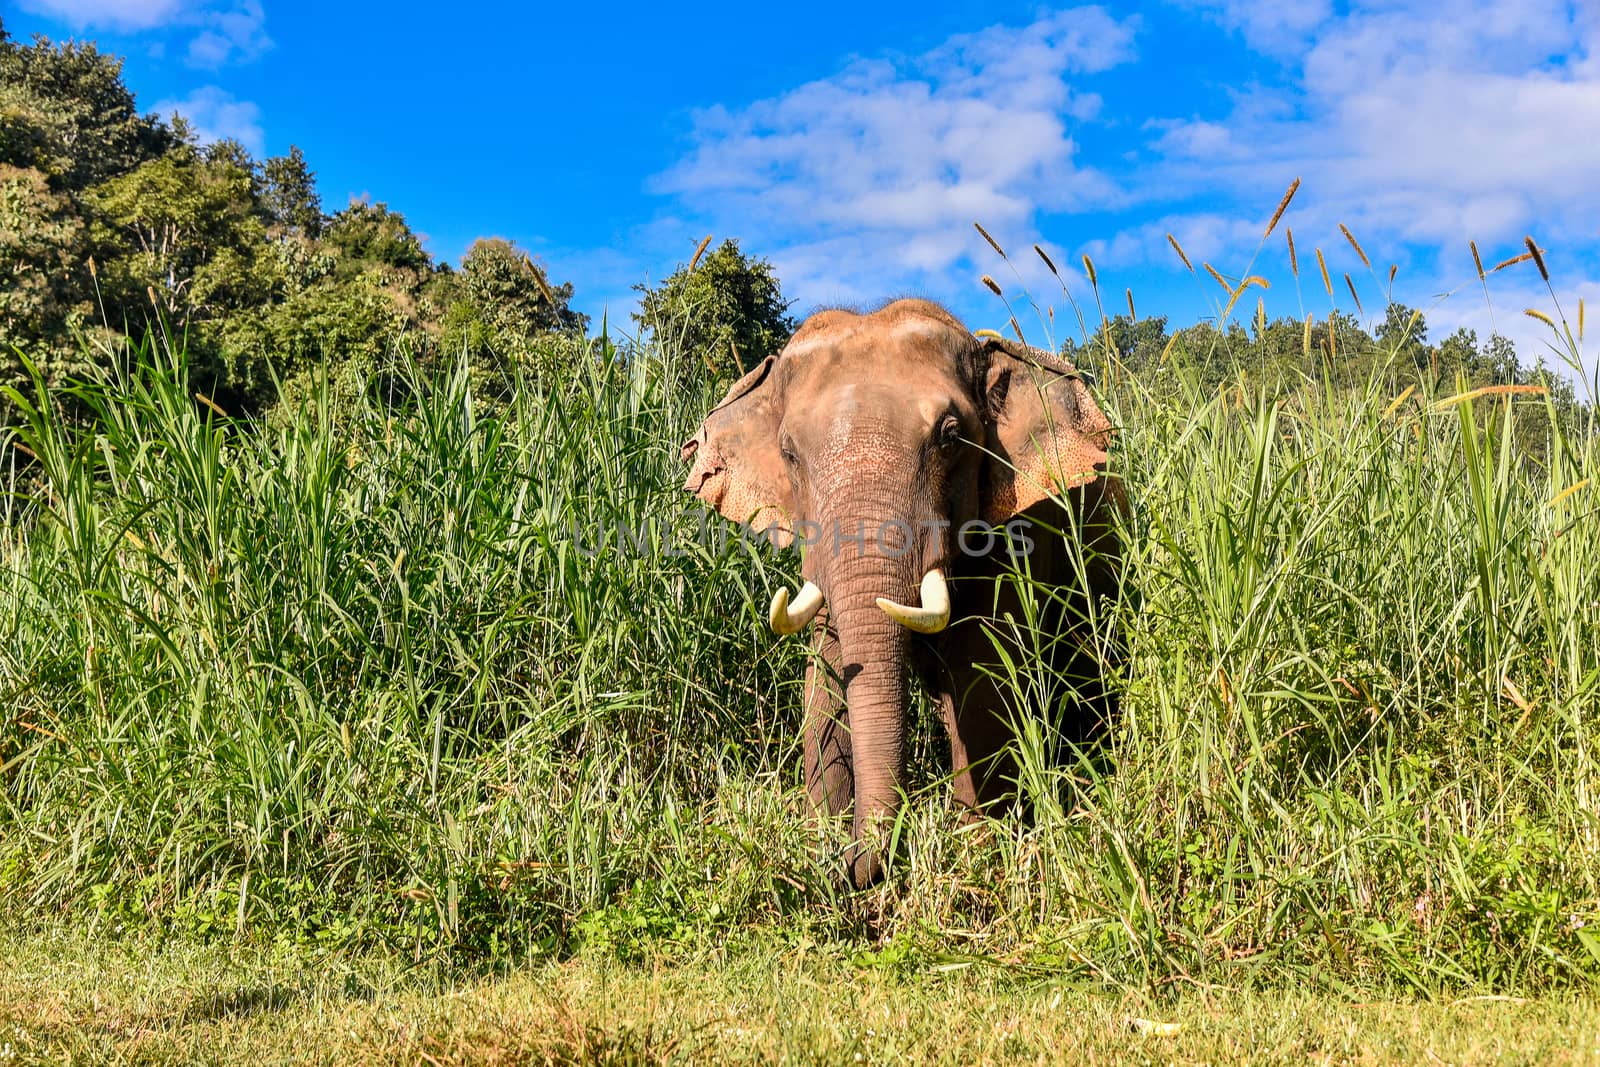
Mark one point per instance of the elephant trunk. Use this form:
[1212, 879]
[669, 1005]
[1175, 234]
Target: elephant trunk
[873, 657]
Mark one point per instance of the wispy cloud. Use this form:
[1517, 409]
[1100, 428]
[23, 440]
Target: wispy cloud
[877, 172]
[216, 115]
[108, 14]
[223, 32]
[1427, 121]
[1279, 27]
[236, 32]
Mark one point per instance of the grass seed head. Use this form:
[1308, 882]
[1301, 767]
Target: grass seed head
[1490, 390]
[1353, 295]
[1088, 268]
[1512, 262]
[1348, 236]
[1327, 283]
[1399, 400]
[1294, 260]
[1176, 247]
[1047, 261]
[1477, 260]
[1575, 487]
[1538, 258]
[544, 286]
[994, 286]
[992, 242]
[699, 250]
[1282, 207]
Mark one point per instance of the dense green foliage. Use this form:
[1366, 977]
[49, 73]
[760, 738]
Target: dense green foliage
[725, 307]
[1337, 348]
[367, 678]
[112, 223]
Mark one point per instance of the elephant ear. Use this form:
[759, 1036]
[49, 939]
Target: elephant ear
[737, 465]
[1046, 434]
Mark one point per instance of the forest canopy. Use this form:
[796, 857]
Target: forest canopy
[111, 219]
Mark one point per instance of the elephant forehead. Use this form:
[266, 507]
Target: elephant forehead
[880, 342]
[848, 405]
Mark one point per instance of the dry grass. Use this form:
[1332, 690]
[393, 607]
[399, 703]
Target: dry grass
[66, 998]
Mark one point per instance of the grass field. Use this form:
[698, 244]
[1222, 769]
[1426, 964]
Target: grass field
[321, 706]
[71, 999]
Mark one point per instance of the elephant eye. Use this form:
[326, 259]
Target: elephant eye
[949, 432]
[787, 451]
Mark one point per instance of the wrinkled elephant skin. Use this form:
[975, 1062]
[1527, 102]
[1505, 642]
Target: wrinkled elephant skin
[874, 439]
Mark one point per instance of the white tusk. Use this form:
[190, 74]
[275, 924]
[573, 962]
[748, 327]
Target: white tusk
[933, 615]
[791, 620]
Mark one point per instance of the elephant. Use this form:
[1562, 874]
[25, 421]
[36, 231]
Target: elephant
[881, 441]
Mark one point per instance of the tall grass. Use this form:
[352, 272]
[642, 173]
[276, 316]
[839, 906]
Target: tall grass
[359, 668]
[354, 677]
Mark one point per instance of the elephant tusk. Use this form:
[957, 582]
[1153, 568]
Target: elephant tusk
[791, 620]
[933, 615]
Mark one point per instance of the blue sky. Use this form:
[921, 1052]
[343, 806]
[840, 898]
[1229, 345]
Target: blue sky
[855, 144]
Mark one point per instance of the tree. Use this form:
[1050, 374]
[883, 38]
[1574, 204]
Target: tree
[502, 312]
[44, 277]
[235, 256]
[65, 113]
[367, 234]
[289, 195]
[726, 312]
[1403, 334]
[330, 320]
[1456, 354]
[1136, 343]
[184, 229]
[512, 293]
[1497, 362]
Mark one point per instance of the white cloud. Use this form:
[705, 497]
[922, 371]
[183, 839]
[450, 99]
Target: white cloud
[1502, 312]
[1421, 120]
[216, 115]
[224, 31]
[1273, 27]
[112, 14]
[236, 31]
[879, 171]
[1420, 125]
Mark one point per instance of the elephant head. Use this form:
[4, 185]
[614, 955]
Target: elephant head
[873, 439]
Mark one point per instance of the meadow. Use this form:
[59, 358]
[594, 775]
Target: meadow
[336, 712]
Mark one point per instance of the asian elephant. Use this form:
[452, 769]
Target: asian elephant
[875, 440]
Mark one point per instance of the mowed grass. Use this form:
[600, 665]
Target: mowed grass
[67, 998]
[405, 679]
